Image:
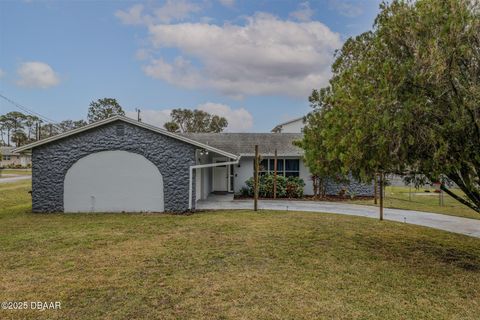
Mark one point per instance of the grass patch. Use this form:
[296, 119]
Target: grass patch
[400, 198]
[19, 172]
[231, 265]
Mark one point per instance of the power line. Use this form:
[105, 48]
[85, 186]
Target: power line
[31, 112]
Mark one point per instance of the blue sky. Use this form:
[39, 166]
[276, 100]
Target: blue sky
[253, 62]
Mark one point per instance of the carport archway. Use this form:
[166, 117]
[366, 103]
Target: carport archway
[113, 181]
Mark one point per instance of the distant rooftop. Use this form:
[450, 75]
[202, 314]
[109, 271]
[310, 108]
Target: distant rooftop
[7, 151]
[278, 127]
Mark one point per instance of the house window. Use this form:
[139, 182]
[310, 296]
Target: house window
[6, 158]
[292, 167]
[285, 167]
[262, 167]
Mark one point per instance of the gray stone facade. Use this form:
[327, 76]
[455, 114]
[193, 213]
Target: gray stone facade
[353, 188]
[51, 162]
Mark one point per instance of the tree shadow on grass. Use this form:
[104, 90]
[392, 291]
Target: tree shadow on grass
[422, 250]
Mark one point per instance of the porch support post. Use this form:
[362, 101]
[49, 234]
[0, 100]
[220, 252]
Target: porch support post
[190, 188]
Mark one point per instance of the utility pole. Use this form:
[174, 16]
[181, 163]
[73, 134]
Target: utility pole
[375, 188]
[255, 181]
[275, 176]
[381, 196]
[138, 114]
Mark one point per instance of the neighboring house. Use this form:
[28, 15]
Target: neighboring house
[292, 126]
[10, 158]
[120, 164]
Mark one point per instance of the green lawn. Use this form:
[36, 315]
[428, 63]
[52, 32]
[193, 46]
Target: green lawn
[400, 198]
[231, 265]
[19, 172]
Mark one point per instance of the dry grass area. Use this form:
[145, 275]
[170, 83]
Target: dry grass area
[413, 199]
[231, 265]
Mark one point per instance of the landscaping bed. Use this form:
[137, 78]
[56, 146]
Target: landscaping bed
[310, 198]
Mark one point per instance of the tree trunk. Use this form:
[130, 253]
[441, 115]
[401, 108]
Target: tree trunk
[459, 199]
[381, 196]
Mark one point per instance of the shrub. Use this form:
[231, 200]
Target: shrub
[245, 192]
[291, 187]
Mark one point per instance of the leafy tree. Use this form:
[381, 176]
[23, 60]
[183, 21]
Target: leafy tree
[67, 125]
[186, 120]
[15, 120]
[30, 122]
[103, 109]
[5, 126]
[404, 97]
[172, 126]
[322, 168]
[19, 137]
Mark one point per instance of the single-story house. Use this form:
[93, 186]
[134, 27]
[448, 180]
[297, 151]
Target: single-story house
[120, 164]
[10, 158]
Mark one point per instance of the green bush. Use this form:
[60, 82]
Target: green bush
[291, 187]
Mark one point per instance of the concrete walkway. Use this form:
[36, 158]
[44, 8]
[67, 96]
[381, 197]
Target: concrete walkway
[470, 227]
[14, 179]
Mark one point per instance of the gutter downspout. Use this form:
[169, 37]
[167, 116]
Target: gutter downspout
[200, 166]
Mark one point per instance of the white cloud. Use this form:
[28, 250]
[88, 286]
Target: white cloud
[304, 12]
[153, 117]
[134, 15]
[172, 10]
[227, 3]
[264, 56]
[2, 73]
[36, 74]
[142, 54]
[238, 119]
[347, 8]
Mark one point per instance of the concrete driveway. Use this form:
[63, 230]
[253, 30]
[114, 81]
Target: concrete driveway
[14, 178]
[470, 227]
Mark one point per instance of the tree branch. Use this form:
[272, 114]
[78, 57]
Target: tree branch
[460, 199]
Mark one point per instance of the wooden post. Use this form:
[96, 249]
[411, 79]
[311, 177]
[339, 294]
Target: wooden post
[381, 196]
[275, 176]
[440, 196]
[255, 179]
[375, 189]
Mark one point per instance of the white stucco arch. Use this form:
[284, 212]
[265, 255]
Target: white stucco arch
[113, 181]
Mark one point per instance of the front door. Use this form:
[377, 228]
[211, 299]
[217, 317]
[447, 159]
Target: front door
[220, 178]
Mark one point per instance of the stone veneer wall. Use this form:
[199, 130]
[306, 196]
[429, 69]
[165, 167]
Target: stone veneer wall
[353, 187]
[52, 161]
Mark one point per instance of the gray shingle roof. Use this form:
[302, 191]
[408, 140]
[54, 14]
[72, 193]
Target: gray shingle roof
[244, 143]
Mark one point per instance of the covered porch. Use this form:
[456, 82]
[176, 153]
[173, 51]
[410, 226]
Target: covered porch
[213, 177]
